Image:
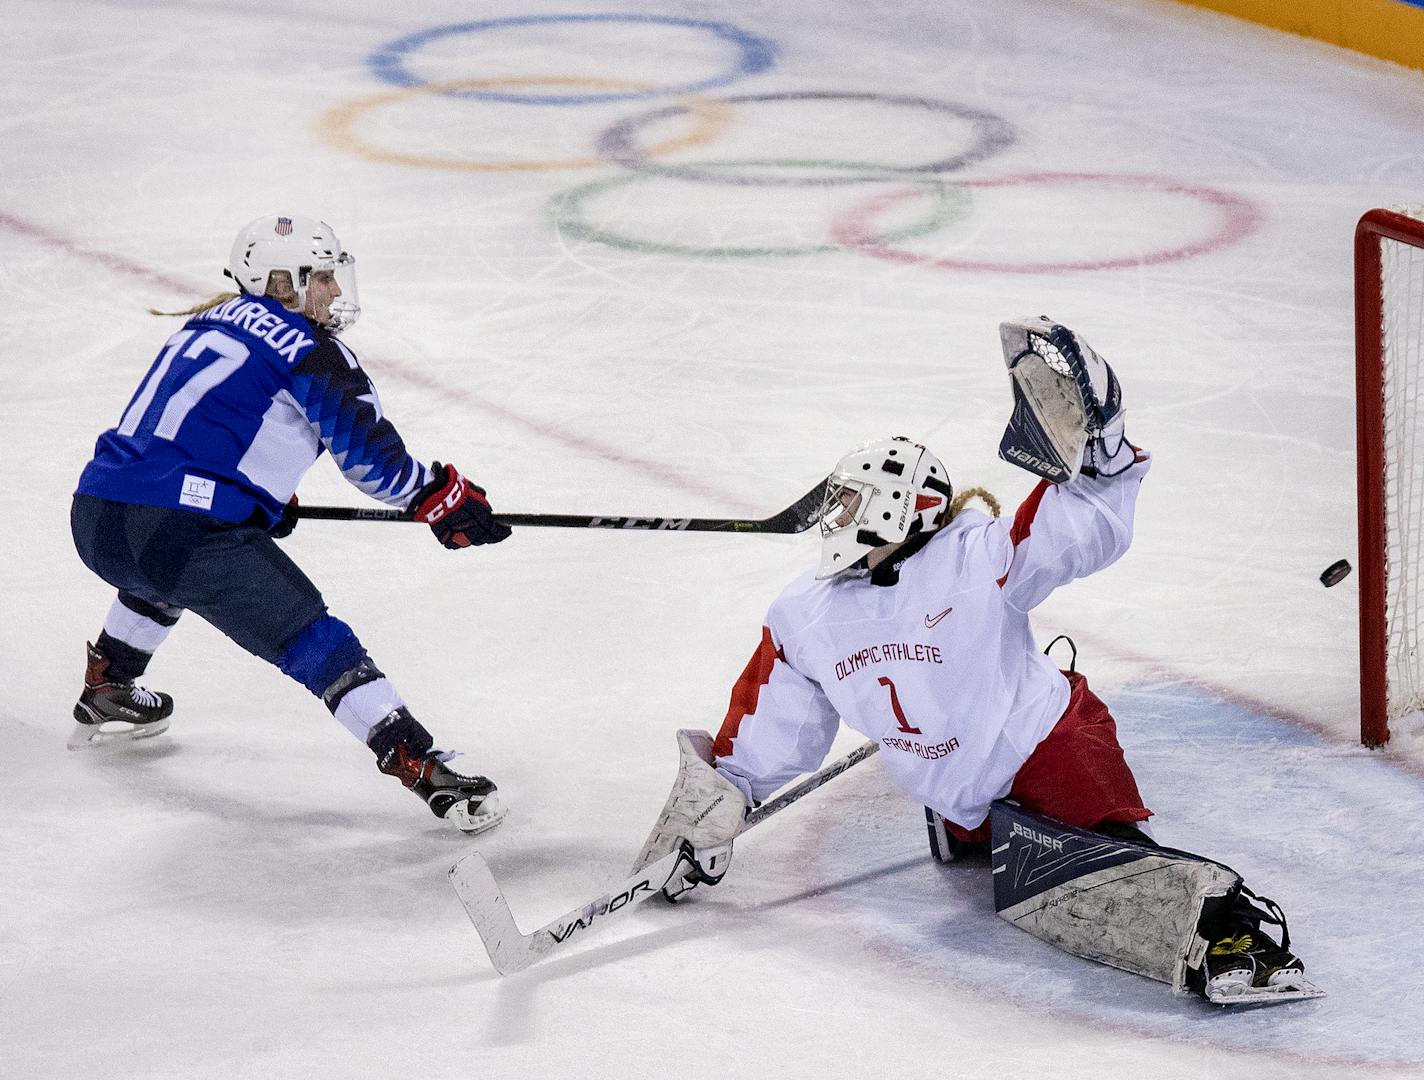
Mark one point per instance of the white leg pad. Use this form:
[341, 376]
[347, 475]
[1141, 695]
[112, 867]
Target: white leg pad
[1127, 905]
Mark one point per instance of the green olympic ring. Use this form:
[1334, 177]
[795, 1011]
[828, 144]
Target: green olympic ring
[951, 203]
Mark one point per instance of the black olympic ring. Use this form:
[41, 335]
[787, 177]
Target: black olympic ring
[992, 134]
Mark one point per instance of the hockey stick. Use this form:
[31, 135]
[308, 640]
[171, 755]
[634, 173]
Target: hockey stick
[798, 517]
[511, 950]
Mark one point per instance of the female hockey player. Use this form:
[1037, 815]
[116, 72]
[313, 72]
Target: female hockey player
[915, 631]
[179, 507]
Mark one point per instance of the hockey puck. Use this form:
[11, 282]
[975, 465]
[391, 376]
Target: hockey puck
[1335, 573]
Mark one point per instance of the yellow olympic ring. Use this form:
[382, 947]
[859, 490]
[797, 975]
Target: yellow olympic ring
[337, 126]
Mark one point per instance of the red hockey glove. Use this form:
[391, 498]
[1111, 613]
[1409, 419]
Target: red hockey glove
[456, 510]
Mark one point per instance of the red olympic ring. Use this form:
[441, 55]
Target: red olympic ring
[1237, 218]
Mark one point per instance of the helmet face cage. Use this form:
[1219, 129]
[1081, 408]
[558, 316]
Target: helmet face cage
[880, 493]
[346, 308]
[846, 503]
[300, 247]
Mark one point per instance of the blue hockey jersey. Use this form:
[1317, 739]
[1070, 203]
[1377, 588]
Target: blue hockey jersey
[236, 408]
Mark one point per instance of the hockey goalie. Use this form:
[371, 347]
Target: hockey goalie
[914, 630]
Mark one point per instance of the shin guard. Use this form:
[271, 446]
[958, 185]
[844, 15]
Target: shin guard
[1132, 906]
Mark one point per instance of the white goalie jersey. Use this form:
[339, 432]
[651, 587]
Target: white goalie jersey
[940, 668]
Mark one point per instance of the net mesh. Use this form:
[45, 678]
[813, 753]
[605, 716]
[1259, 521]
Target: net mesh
[1402, 327]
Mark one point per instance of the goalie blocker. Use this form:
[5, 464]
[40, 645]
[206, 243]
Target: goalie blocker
[1169, 915]
[704, 809]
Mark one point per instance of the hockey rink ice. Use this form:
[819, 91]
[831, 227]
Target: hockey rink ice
[676, 259]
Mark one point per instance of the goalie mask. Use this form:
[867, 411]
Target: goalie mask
[880, 493]
[300, 246]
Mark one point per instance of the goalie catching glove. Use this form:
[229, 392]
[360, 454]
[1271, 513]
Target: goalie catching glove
[703, 814]
[456, 510]
[1068, 416]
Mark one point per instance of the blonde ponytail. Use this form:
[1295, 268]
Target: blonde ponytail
[202, 305]
[958, 502]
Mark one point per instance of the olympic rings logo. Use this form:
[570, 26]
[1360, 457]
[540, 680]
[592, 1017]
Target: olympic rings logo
[911, 224]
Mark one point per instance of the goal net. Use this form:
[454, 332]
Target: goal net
[1389, 373]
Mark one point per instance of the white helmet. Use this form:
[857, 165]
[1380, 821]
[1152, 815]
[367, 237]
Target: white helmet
[297, 245]
[882, 492]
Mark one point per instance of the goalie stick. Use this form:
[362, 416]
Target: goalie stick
[511, 950]
[798, 517]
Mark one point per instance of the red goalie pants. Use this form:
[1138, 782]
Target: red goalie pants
[1077, 774]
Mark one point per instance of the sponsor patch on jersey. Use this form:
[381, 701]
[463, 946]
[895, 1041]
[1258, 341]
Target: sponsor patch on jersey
[197, 492]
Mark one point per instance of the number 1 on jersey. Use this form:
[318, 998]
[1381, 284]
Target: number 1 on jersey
[895, 705]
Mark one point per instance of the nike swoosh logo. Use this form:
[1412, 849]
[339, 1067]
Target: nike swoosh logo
[931, 623]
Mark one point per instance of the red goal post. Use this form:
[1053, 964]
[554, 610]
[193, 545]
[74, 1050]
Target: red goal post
[1389, 432]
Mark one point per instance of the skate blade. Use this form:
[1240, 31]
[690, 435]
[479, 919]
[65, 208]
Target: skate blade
[489, 814]
[1236, 993]
[112, 733]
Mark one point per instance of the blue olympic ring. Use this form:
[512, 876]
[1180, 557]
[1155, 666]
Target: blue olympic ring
[756, 54]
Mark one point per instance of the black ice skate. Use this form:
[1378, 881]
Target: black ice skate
[112, 711]
[1245, 966]
[470, 803]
